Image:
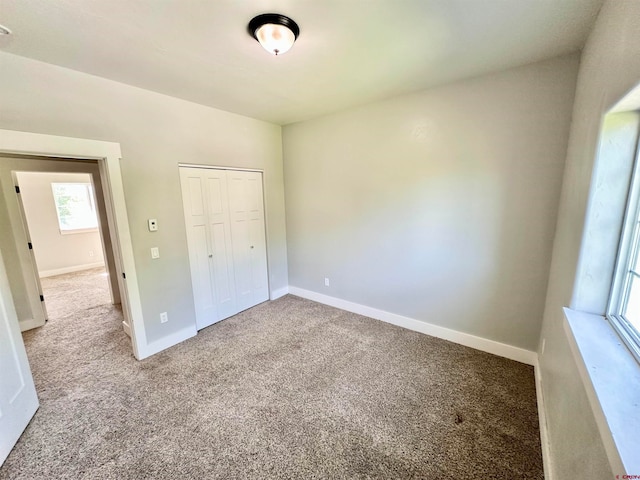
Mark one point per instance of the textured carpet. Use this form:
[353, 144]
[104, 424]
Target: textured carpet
[74, 292]
[288, 389]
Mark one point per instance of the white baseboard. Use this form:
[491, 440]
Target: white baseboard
[542, 419]
[168, 341]
[490, 346]
[74, 268]
[28, 324]
[126, 328]
[280, 292]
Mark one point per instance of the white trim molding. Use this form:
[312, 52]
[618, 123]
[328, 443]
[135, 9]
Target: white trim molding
[108, 155]
[611, 377]
[544, 431]
[490, 346]
[215, 167]
[74, 268]
[28, 324]
[280, 292]
[169, 341]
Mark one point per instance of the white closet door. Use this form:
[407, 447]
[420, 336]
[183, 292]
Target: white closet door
[220, 240]
[248, 236]
[194, 199]
[224, 217]
[258, 240]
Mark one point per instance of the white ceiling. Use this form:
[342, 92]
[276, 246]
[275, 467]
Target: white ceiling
[349, 52]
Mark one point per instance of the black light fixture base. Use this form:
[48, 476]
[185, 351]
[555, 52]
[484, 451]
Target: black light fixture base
[275, 18]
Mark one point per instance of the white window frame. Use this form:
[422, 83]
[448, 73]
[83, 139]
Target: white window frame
[628, 252]
[65, 230]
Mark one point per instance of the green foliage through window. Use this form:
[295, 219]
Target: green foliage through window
[75, 206]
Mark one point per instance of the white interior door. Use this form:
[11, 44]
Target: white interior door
[240, 233]
[18, 399]
[15, 226]
[248, 234]
[194, 199]
[40, 315]
[224, 217]
[219, 232]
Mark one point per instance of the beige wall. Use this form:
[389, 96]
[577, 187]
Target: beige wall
[610, 67]
[53, 250]
[156, 132]
[439, 206]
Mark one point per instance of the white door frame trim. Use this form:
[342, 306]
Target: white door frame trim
[212, 167]
[108, 155]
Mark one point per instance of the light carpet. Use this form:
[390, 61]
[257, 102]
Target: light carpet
[288, 389]
[75, 292]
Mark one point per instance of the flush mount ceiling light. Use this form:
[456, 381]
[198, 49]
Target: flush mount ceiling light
[276, 33]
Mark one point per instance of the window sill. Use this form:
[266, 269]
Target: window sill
[611, 376]
[78, 230]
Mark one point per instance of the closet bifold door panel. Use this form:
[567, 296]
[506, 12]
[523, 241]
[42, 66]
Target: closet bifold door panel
[205, 200]
[224, 219]
[249, 243]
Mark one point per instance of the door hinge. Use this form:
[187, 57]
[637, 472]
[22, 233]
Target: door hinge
[30, 246]
[123, 275]
[42, 298]
[17, 189]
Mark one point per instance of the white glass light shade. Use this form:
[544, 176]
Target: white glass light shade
[275, 39]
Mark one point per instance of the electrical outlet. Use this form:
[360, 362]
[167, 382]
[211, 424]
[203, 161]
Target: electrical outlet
[544, 341]
[164, 318]
[326, 282]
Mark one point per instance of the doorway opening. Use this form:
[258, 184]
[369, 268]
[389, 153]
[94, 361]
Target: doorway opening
[56, 228]
[19, 286]
[25, 293]
[67, 232]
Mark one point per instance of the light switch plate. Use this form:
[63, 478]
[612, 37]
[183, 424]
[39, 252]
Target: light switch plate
[155, 252]
[153, 225]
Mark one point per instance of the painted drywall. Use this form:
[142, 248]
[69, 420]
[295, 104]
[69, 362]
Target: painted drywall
[616, 155]
[52, 249]
[610, 67]
[438, 206]
[156, 132]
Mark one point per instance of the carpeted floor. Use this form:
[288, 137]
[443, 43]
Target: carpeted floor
[75, 292]
[288, 389]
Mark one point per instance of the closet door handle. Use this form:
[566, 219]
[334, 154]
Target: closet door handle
[211, 255]
[251, 246]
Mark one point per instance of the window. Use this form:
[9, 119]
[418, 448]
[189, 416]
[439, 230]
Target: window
[624, 304]
[75, 207]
